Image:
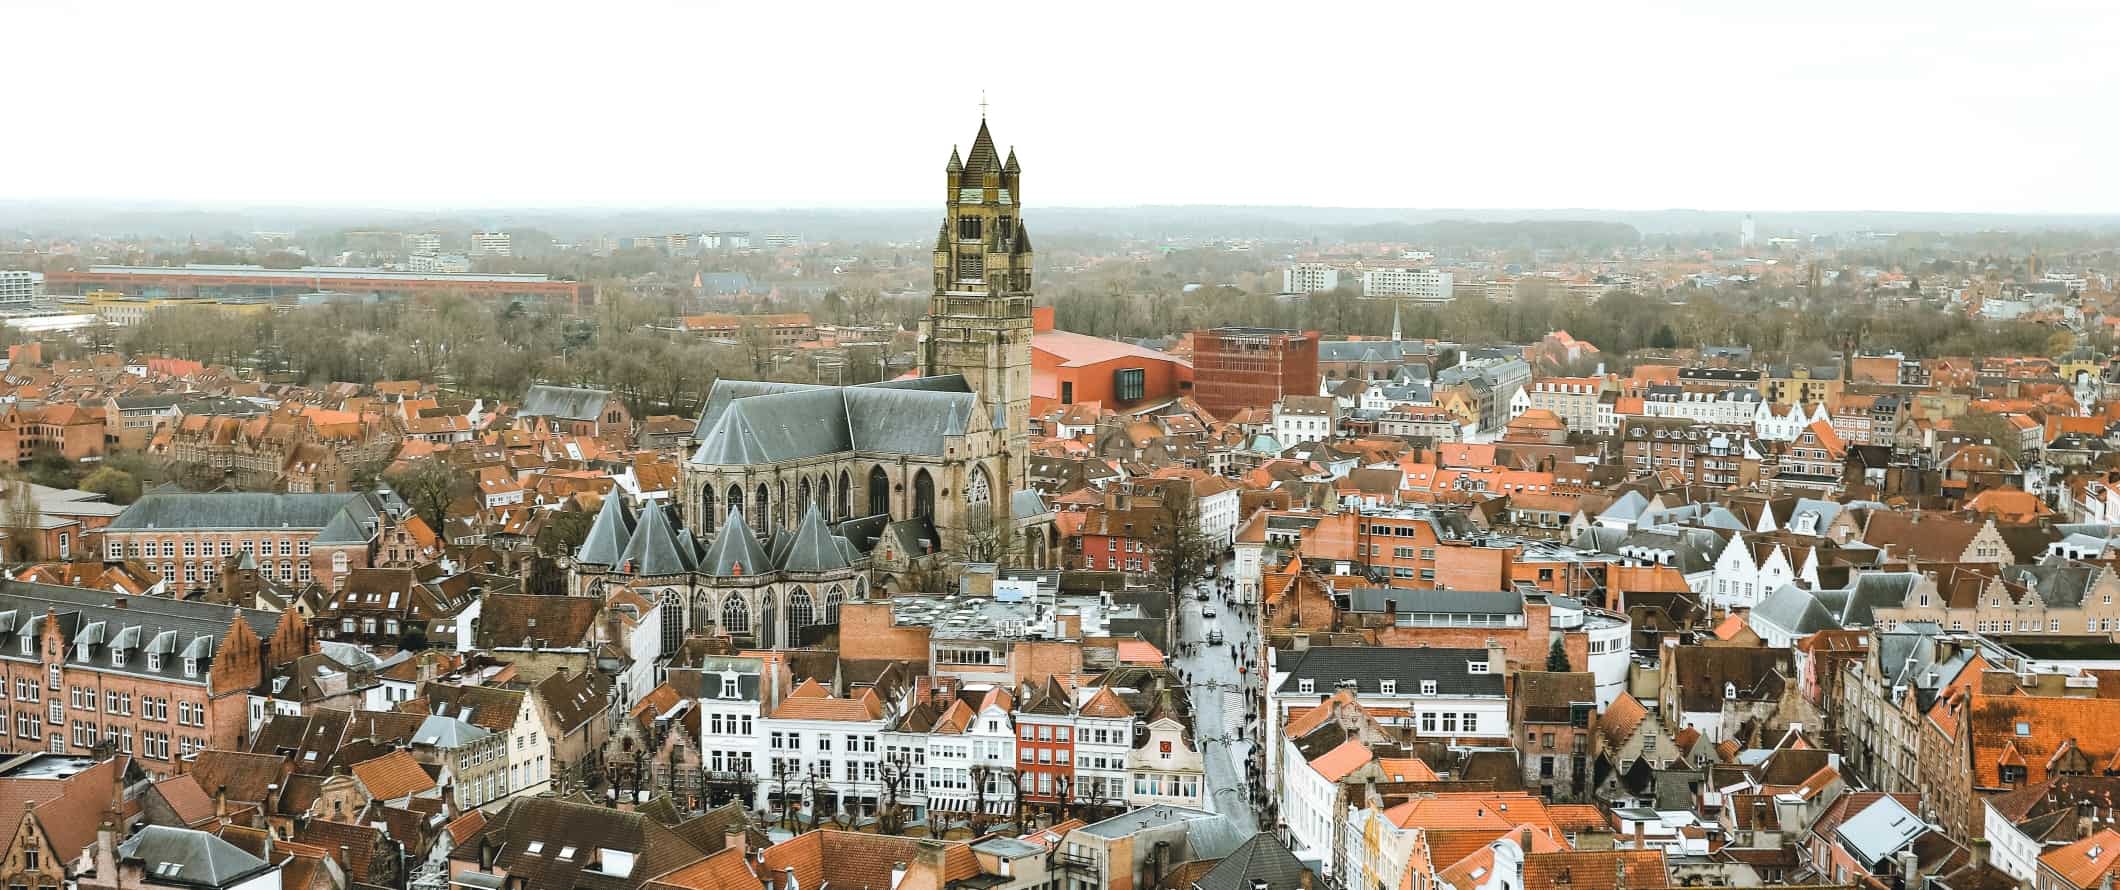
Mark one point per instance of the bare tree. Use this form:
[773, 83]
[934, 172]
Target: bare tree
[24, 522]
[782, 775]
[428, 487]
[1183, 553]
[894, 772]
[809, 794]
[980, 773]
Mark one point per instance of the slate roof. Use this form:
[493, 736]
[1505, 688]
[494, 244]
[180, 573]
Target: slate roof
[1492, 602]
[1368, 667]
[657, 547]
[1801, 611]
[733, 548]
[608, 535]
[176, 629]
[239, 510]
[1879, 830]
[753, 423]
[813, 548]
[566, 402]
[1262, 858]
[188, 856]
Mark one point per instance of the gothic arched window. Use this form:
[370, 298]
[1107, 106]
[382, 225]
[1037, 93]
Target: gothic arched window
[735, 499]
[846, 497]
[735, 615]
[979, 497]
[923, 495]
[802, 611]
[832, 599]
[706, 506]
[673, 620]
[803, 490]
[879, 491]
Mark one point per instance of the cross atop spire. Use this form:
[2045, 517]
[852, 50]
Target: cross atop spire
[982, 105]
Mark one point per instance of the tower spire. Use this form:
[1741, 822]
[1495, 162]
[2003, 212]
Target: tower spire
[1395, 304]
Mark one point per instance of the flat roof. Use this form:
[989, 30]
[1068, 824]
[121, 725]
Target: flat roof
[303, 274]
[44, 766]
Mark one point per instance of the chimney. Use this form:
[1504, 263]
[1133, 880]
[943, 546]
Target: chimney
[733, 838]
[1909, 870]
[1979, 852]
[897, 875]
[1497, 659]
[220, 802]
[346, 857]
[1523, 839]
[1639, 843]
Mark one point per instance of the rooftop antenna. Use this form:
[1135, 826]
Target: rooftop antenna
[982, 105]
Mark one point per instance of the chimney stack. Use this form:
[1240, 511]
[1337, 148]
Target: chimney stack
[734, 838]
[1497, 658]
[1910, 869]
[1979, 852]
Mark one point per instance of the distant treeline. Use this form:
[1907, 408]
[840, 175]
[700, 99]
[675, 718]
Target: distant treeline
[1522, 234]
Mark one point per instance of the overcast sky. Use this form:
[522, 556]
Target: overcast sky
[1841, 105]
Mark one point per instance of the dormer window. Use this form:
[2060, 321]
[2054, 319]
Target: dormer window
[1388, 687]
[1427, 687]
[1475, 667]
[1306, 685]
[154, 661]
[728, 686]
[117, 658]
[191, 667]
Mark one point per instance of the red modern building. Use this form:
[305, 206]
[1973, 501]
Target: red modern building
[1235, 368]
[1072, 369]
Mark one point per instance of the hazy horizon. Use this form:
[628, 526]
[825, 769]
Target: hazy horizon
[1820, 106]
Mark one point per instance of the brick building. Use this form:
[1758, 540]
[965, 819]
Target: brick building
[159, 679]
[295, 538]
[1236, 367]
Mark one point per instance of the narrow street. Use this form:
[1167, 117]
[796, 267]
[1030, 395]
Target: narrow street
[1222, 697]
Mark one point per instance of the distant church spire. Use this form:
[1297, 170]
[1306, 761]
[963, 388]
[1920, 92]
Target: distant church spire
[1395, 304]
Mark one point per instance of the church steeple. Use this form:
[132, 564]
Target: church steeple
[1395, 304]
[979, 320]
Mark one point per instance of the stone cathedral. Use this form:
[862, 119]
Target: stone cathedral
[798, 497]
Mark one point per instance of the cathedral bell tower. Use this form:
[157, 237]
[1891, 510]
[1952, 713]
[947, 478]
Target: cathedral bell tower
[979, 320]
